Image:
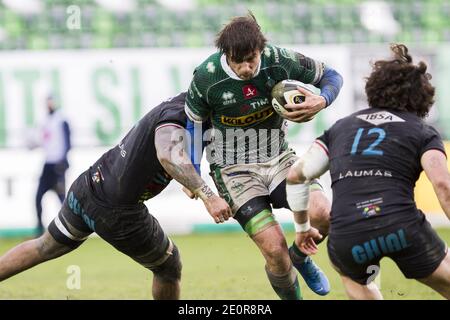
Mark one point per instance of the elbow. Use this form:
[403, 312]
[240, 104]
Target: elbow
[332, 75]
[442, 186]
[163, 157]
[442, 189]
[338, 79]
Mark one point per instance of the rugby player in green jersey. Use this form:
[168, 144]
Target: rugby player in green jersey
[249, 155]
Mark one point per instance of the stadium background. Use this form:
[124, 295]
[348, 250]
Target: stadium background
[109, 61]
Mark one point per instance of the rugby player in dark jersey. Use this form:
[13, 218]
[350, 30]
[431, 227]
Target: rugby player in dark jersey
[109, 198]
[375, 156]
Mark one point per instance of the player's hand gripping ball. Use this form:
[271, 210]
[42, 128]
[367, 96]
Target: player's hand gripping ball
[286, 92]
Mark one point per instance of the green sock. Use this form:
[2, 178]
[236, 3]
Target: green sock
[285, 286]
[291, 293]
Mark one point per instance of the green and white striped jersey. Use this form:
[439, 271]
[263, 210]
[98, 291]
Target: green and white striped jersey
[246, 128]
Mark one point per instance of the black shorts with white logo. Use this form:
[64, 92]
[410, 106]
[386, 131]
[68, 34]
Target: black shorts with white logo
[415, 247]
[132, 230]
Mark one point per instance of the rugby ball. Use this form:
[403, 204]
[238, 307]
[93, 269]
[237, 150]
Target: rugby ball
[286, 92]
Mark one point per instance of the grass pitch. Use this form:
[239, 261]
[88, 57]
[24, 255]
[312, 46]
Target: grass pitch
[215, 266]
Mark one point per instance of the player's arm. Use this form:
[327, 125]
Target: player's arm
[197, 112]
[67, 138]
[170, 143]
[434, 163]
[196, 107]
[311, 165]
[197, 145]
[311, 71]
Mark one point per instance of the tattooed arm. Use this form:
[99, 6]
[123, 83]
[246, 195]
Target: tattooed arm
[170, 144]
[434, 163]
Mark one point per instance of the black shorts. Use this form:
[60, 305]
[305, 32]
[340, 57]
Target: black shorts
[132, 230]
[415, 248]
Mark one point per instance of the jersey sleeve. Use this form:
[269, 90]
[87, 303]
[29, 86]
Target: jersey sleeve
[324, 138]
[174, 115]
[431, 140]
[196, 107]
[300, 67]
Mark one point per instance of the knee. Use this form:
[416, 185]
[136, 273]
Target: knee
[170, 270]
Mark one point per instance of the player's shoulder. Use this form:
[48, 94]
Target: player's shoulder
[274, 55]
[377, 116]
[173, 104]
[172, 107]
[209, 67]
[208, 73]
[402, 120]
[350, 119]
[270, 55]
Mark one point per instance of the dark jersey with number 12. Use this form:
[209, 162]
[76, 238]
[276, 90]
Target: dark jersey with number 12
[130, 173]
[374, 165]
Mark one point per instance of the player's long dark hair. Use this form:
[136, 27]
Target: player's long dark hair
[399, 84]
[240, 38]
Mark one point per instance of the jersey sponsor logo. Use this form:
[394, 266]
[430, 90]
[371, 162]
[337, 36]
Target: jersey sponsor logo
[76, 207]
[237, 187]
[191, 92]
[228, 98]
[370, 207]
[259, 103]
[381, 117]
[123, 152]
[365, 173]
[210, 67]
[277, 56]
[385, 244]
[371, 211]
[249, 91]
[97, 176]
[248, 119]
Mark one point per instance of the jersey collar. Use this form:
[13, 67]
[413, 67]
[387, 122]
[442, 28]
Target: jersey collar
[230, 72]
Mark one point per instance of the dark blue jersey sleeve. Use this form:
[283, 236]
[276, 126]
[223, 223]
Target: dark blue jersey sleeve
[431, 140]
[324, 138]
[330, 84]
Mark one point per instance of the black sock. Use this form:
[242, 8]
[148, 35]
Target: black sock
[297, 257]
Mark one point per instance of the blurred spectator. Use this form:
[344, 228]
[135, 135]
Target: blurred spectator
[56, 144]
